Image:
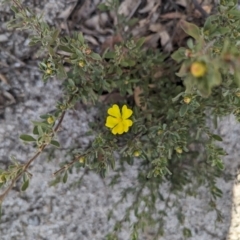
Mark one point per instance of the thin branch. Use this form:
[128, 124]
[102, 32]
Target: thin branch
[28, 163]
[67, 165]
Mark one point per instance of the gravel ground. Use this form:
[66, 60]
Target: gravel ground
[80, 213]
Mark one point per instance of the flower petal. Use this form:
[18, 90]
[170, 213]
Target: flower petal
[126, 124]
[119, 128]
[126, 112]
[114, 111]
[111, 122]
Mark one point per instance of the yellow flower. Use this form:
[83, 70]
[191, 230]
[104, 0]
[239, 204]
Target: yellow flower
[118, 121]
[198, 69]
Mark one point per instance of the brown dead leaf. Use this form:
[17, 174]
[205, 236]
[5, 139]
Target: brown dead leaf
[94, 23]
[151, 41]
[65, 13]
[137, 92]
[127, 6]
[182, 2]
[179, 35]
[3, 78]
[156, 27]
[111, 41]
[91, 40]
[172, 15]
[113, 97]
[149, 6]
[207, 8]
[158, 74]
[166, 41]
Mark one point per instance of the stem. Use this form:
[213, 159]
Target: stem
[28, 163]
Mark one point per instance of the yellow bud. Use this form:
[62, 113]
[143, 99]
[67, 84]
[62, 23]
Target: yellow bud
[2, 179]
[49, 65]
[81, 64]
[160, 132]
[82, 160]
[198, 69]
[50, 120]
[187, 100]
[178, 150]
[62, 107]
[136, 154]
[49, 71]
[88, 51]
[188, 53]
[206, 32]
[237, 94]
[126, 82]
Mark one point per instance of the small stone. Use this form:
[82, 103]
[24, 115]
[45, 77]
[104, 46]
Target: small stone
[34, 220]
[3, 38]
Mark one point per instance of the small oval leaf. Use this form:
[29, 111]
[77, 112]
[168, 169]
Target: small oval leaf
[25, 185]
[183, 110]
[27, 138]
[55, 143]
[65, 177]
[216, 137]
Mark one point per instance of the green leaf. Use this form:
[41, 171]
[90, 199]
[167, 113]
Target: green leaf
[179, 55]
[14, 9]
[112, 163]
[187, 233]
[109, 54]
[40, 130]
[61, 72]
[103, 7]
[95, 56]
[177, 97]
[129, 160]
[25, 185]
[140, 42]
[65, 177]
[27, 138]
[81, 38]
[71, 82]
[55, 143]
[44, 116]
[54, 35]
[219, 164]
[237, 77]
[183, 110]
[191, 29]
[42, 124]
[119, 71]
[65, 49]
[124, 63]
[216, 137]
[35, 130]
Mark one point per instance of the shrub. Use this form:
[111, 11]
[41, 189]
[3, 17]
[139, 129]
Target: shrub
[159, 123]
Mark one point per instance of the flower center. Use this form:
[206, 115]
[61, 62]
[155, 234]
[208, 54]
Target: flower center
[119, 120]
